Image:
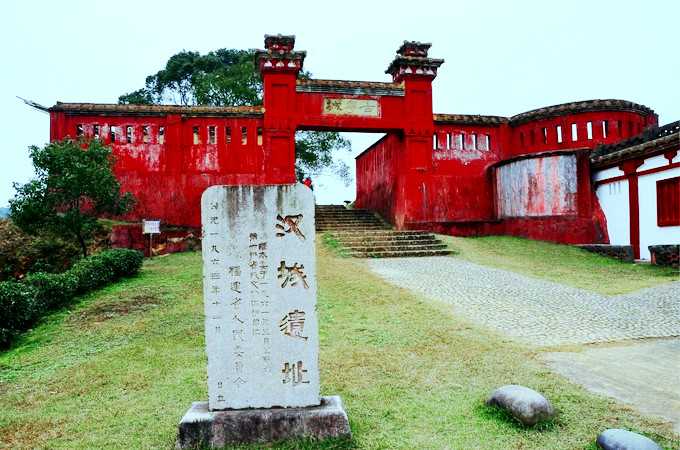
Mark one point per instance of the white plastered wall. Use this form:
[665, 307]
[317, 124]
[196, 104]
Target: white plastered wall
[613, 198]
[650, 232]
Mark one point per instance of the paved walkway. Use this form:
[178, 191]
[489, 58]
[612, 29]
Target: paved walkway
[645, 374]
[539, 312]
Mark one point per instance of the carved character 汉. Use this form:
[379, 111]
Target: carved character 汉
[289, 224]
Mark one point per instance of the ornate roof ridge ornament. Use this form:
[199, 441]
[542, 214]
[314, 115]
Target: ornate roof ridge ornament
[414, 48]
[279, 54]
[412, 60]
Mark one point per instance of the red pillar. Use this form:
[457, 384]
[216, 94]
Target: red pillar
[412, 196]
[629, 169]
[279, 66]
[585, 190]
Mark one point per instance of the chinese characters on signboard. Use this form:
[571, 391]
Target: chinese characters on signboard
[351, 107]
[260, 296]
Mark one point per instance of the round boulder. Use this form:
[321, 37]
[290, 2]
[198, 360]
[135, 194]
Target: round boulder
[526, 405]
[617, 439]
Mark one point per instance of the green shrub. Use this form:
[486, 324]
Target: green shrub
[53, 289]
[22, 303]
[91, 273]
[17, 308]
[21, 254]
[124, 262]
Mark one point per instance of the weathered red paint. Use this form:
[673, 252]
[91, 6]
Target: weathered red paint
[411, 182]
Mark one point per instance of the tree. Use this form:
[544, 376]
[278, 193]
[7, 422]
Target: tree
[74, 186]
[228, 77]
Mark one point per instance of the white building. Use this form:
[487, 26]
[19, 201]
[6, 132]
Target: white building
[637, 183]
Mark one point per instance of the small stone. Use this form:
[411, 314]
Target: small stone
[618, 439]
[526, 405]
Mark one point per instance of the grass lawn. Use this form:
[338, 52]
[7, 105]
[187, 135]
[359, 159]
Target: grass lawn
[561, 263]
[120, 369]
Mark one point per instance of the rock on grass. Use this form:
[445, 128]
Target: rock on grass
[526, 405]
[617, 439]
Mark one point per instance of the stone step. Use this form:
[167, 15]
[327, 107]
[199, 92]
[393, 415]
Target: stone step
[359, 229]
[360, 242]
[377, 233]
[350, 219]
[372, 248]
[345, 216]
[344, 213]
[353, 223]
[350, 224]
[333, 210]
[372, 236]
[337, 219]
[400, 254]
[364, 235]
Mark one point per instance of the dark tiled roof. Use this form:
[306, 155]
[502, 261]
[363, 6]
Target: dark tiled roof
[417, 62]
[469, 119]
[350, 87]
[579, 107]
[654, 139]
[156, 110]
[414, 48]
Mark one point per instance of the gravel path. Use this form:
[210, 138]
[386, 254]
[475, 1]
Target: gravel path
[539, 312]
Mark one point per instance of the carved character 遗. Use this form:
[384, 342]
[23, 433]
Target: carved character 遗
[293, 324]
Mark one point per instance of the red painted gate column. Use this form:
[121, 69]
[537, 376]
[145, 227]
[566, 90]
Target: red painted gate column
[629, 169]
[416, 71]
[279, 66]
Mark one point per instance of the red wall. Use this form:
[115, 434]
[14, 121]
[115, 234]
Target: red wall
[377, 187]
[461, 187]
[457, 194]
[167, 179]
[528, 137]
[411, 178]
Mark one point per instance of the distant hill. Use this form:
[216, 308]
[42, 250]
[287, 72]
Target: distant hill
[4, 212]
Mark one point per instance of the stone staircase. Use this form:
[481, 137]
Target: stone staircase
[363, 234]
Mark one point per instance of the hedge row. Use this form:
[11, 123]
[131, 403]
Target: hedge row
[23, 302]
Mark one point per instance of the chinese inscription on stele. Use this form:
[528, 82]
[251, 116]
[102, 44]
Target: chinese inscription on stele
[259, 288]
[351, 107]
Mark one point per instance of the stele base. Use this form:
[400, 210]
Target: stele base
[201, 428]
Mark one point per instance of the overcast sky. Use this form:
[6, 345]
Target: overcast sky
[502, 57]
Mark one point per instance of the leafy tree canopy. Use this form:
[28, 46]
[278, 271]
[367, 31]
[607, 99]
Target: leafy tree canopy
[74, 186]
[228, 77]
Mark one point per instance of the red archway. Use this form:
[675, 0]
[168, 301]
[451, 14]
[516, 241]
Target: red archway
[527, 175]
[402, 108]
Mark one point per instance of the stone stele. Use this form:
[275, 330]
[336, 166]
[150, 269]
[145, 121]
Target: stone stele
[261, 330]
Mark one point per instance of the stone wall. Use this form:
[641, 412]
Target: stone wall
[622, 252]
[665, 255]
